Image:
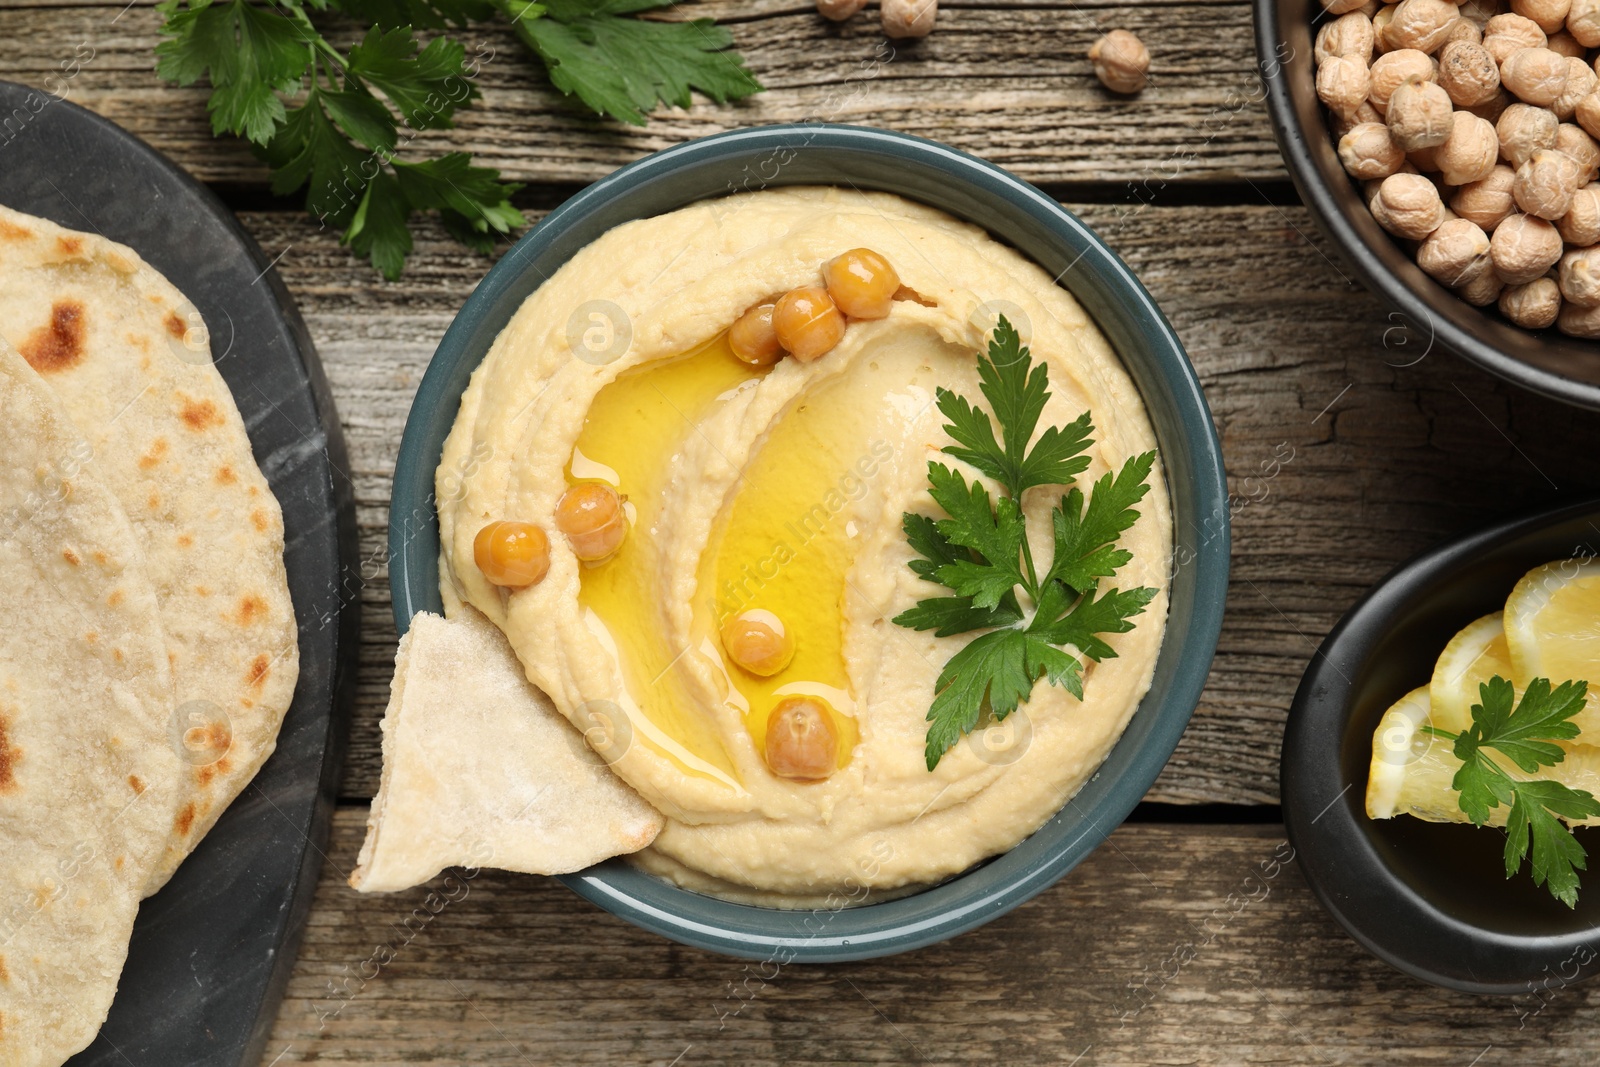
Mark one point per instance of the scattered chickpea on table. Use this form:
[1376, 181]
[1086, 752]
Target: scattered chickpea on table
[1472, 129]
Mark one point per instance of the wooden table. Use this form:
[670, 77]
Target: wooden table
[1183, 939]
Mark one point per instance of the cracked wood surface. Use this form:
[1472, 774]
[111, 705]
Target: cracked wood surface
[1382, 445]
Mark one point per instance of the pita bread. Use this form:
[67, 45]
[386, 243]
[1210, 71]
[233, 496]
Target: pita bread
[128, 357]
[89, 780]
[481, 770]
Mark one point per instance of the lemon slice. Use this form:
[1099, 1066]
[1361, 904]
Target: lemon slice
[1412, 769]
[1472, 657]
[1552, 624]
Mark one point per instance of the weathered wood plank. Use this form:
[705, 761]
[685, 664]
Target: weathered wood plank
[1171, 944]
[1008, 81]
[1374, 460]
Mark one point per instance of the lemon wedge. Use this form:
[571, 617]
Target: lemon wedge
[1552, 625]
[1412, 769]
[1472, 657]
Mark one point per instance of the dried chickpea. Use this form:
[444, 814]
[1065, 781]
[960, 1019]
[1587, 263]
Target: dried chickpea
[1342, 7]
[512, 554]
[1482, 290]
[1122, 62]
[1408, 205]
[1419, 115]
[1523, 248]
[1546, 183]
[1425, 160]
[753, 339]
[1549, 15]
[1348, 35]
[862, 283]
[1470, 152]
[1462, 31]
[1380, 26]
[1565, 44]
[1368, 151]
[1572, 141]
[1583, 22]
[1468, 73]
[907, 18]
[758, 641]
[1343, 124]
[802, 744]
[1421, 24]
[1524, 129]
[808, 323]
[1581, 224]
[1505, 34]
[1534, 75]
[1487, 201]
[1578, 321]
[1587, 113]
[1579, 277]
[1479, 12]
[839, 10]
[1343, 83]
[1393, 69]
[1456, 253]
[1533, 306]
[1581, 81]
[1492, 108]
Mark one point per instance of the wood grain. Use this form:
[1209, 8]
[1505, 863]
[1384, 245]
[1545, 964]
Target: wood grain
[1008, 81]
[1376, 460]
[1174, 945]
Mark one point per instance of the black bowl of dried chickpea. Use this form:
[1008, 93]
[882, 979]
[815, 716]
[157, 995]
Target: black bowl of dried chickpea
[1452, 151]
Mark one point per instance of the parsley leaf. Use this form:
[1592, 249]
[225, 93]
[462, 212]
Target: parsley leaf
[981, 553]
[622, 66]
[1526, 736]
[250, 53]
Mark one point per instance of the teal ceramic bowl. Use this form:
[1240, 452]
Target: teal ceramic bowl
[1015, 213]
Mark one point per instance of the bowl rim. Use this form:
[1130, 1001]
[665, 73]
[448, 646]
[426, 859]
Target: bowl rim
[1359, 254]
[991, 888]
[1338, 859]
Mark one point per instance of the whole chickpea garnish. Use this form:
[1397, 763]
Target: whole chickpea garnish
[1470, 152]
[839, 10]
[1546, 183]
[1456, 253]
[1122, 62]
[753, 338]
[1523, 248]
[512, 554]
[808, 323]
[1408, 205]
[862, 283]
[592, 517]
[758, 641]
[1533, 306]
[802, 744]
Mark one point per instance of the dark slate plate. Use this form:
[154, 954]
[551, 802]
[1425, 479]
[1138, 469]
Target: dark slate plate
[1432, 900]
[212, 952]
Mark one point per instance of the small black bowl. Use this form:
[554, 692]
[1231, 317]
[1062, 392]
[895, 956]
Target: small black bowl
[1430, 899]
[1546, 362]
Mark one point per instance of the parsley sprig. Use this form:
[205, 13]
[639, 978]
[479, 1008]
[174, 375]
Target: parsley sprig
[334, 121]
[981, 550]
[1527, 737]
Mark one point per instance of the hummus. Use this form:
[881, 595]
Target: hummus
[781, 489]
